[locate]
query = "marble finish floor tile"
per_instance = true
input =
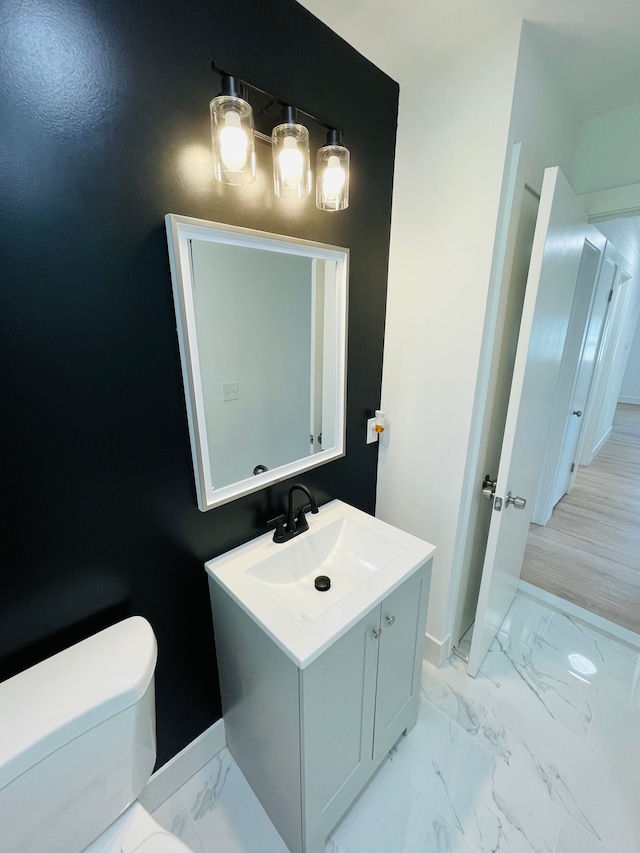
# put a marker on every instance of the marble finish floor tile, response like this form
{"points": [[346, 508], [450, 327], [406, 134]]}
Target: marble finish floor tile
{"points": [[615, 737], [571, 644], [226, 812], [574, 839], [538, 754], [390, 814], [567, 769], [483, 798], [443, 837], [464, 700], [535, 678], [174, 816]]}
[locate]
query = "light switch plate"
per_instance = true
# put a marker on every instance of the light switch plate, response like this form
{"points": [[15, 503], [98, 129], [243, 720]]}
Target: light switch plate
{"points": [[230, 391]]}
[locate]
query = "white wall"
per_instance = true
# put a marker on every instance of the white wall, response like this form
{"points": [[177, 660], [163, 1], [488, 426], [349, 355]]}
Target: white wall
{"points": [[625, 239], [455, 128], [543, 118], [607, 151], [440, 277], [452, 141]]}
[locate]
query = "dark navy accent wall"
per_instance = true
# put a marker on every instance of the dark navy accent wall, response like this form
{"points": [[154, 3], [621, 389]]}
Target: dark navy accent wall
{"points": [[104, 128]]}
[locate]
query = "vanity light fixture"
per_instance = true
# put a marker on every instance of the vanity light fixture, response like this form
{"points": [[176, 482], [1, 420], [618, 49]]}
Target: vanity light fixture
{"points": [[332, 174], [234, 159], [291, 166], [233, 137]]}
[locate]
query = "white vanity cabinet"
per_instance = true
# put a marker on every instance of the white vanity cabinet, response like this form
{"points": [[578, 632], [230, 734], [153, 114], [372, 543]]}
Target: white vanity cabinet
{"points": [[308, 739]]}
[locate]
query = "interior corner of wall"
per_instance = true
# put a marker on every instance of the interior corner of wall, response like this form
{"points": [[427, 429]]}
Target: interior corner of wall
{"points": [[436, 651]]}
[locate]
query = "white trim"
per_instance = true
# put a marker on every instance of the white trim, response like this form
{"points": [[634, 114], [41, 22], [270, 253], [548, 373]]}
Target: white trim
{"points": [[172, 775], [437, 651], [600, 444], [617, 632], [613, 203], [634, 400], [181, 231]]}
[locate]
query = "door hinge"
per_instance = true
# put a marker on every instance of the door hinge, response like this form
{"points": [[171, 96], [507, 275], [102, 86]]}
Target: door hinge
{"points": [[573, 467], [610, 295]]}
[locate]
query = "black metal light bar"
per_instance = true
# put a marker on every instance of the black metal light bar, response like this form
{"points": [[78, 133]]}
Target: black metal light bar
{"points": [[244, 83]]}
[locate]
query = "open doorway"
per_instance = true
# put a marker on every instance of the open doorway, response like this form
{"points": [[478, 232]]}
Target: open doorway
{"points": [[560, 381], [588, 551]]}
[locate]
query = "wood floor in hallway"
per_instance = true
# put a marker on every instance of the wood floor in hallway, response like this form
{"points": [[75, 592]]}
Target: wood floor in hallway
{"points": [[589, 552]]}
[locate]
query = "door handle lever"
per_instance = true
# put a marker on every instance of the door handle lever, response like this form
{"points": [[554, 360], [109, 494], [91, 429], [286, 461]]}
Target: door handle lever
{"points": [[577, 413], [518, 503]]}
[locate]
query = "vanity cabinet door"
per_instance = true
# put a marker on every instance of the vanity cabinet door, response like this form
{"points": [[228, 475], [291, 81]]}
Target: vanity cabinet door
{"points": [[401, 642], [338, 693]]}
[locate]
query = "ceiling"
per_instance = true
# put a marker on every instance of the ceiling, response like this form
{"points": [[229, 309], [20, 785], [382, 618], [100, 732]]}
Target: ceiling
{"points": [[592, 45]]}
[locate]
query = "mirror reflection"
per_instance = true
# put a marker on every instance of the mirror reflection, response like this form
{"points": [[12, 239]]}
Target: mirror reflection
{"points": [[262, 328]]}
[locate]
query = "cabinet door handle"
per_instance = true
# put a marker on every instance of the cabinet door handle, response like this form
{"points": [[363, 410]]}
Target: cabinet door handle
{"points": [[376, 634], [390, 620]]}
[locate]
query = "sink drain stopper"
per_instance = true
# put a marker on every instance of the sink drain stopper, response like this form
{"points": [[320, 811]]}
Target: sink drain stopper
{"points": [[323, 583]]}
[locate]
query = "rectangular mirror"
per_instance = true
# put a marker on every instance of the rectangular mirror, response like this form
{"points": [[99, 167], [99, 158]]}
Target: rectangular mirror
{"points": [[262, 329]]}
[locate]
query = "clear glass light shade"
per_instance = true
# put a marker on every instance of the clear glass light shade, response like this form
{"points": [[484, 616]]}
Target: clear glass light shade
{"points": [[291, 163], [332, 178], [234, 160]]}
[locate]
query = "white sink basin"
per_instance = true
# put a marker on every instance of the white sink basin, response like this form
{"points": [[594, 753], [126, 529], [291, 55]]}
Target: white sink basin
{"points": [[364, 558], [344, 550]]}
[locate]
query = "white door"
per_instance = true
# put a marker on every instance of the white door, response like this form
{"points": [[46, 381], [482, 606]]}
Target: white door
{"points": [[596, 337], [555, 261], [569, 456], [573, 388], [574, 414], [608, 373], [514, 243]]}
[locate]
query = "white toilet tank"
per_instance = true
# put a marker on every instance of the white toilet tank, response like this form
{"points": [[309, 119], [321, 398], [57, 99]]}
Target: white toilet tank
{"points": [[77, 740]]}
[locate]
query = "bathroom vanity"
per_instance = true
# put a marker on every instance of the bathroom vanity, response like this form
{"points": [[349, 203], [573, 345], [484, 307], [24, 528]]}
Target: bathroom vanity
{"points": [[317, 686]]}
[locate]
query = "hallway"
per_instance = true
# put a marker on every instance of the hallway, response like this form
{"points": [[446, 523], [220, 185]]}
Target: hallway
{"points": [[589, 552]]}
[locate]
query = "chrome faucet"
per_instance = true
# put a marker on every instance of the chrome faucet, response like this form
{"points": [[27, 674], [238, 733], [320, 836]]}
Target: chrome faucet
{"points": [[293, 524]]}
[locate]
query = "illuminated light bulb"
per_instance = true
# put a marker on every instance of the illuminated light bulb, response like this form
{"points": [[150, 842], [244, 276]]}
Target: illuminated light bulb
{"points": [[291, 162], [291, 172], [233, 142], [332, 185], [333, 179]]}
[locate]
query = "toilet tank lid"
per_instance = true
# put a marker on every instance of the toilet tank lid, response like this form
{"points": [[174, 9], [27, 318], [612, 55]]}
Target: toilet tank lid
{"points": [[53, 702]]}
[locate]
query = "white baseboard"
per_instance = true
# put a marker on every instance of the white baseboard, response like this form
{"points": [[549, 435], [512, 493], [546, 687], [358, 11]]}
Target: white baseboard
{"points": [[436, 651], [617, 632], [634, 400], [172, 775]]}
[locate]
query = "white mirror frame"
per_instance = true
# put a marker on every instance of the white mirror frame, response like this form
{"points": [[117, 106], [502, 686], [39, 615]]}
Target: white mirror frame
{"points": [[180, 231]]}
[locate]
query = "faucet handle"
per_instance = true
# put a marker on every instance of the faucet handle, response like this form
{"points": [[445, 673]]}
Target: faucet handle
{"points": [[301, 519], [278, 522]]}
